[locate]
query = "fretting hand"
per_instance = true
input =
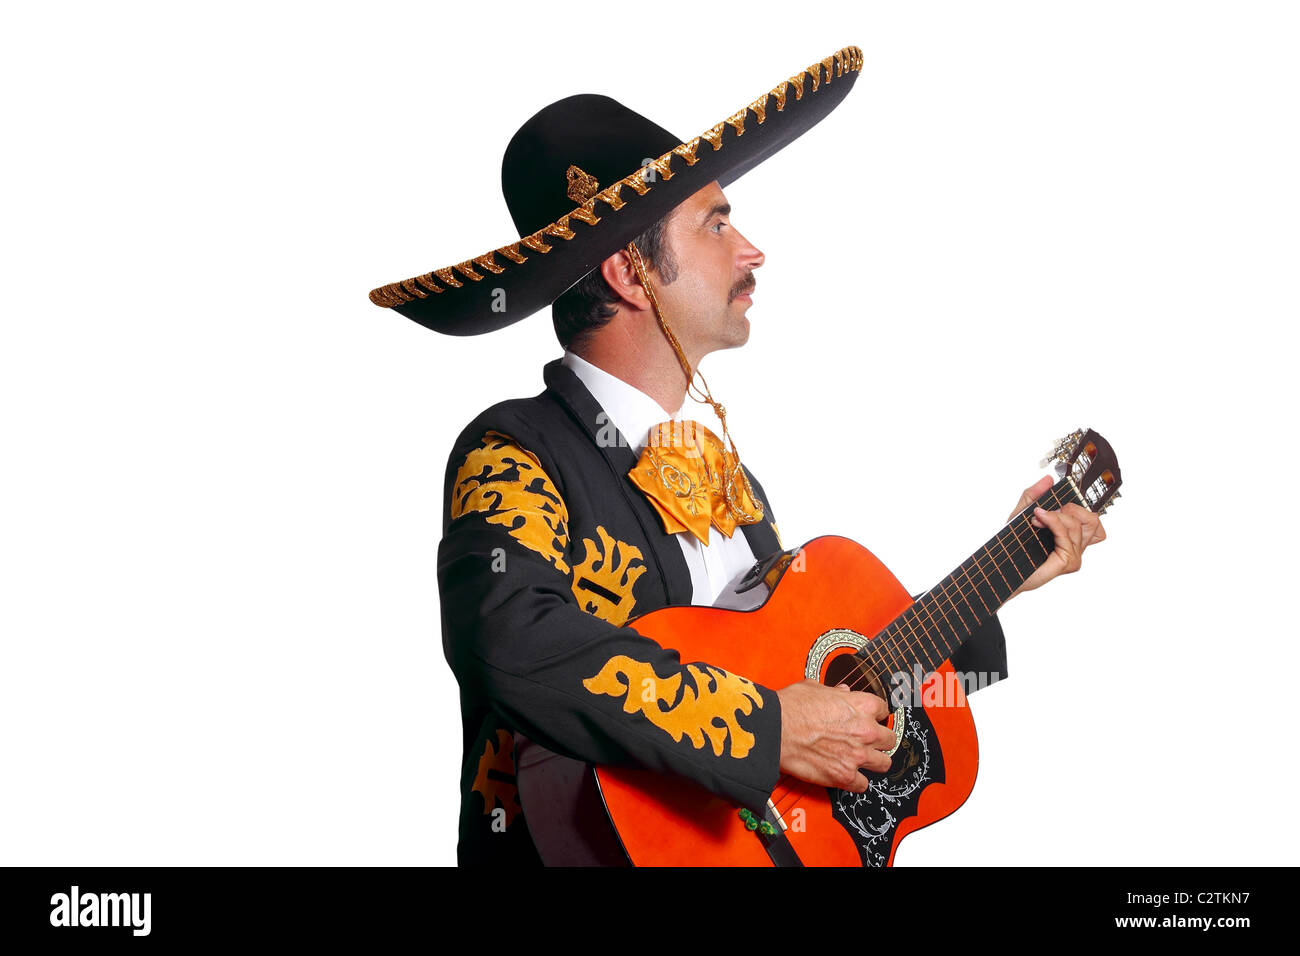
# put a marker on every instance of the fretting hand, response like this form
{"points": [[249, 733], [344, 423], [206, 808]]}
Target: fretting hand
{"points": [[1074, 527]]}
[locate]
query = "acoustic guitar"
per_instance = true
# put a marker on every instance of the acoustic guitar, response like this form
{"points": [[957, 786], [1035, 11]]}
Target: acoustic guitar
{"points": [[828, 611]]}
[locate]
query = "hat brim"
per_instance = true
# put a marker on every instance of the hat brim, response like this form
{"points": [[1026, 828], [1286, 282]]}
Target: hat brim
{"points": [[510, 283]]}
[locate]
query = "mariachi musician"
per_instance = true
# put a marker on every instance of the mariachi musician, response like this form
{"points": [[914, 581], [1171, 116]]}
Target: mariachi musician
{"points": [[570, 513]]}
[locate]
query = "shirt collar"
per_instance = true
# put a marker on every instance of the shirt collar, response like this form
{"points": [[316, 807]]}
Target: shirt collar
{"points": [[630, 410]]}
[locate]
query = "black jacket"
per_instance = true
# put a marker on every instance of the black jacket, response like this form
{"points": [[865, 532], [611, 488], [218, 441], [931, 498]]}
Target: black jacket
{"points": [[548, 549]]}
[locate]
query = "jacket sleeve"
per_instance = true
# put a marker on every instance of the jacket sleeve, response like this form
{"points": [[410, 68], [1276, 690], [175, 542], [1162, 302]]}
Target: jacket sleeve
{"points": [[984, 653], [519, 635]]}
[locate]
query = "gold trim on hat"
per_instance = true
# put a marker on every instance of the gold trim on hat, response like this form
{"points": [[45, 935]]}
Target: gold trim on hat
{"points": [[396, 293], [582, 185]]}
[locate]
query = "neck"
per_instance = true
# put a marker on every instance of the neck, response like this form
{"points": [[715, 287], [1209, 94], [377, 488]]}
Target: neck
{"points": [[642, 359]]}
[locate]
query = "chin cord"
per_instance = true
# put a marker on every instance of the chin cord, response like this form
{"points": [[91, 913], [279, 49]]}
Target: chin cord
{"points": [[732, 459]]}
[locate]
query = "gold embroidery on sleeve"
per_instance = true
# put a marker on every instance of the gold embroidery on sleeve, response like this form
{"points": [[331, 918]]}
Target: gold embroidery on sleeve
{"points": [[603, 580], [508, 485], [495, 779], [706, 709]]}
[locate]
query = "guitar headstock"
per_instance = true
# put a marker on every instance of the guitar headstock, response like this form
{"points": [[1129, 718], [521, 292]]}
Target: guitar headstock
{"points": [[1088, 461]]}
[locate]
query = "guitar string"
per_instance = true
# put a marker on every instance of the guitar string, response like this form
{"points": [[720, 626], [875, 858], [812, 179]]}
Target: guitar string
{"points": [[1050, 497]]}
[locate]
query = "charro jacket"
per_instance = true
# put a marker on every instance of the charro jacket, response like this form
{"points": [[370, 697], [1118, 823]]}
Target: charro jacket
{"points": [[548, 550]]}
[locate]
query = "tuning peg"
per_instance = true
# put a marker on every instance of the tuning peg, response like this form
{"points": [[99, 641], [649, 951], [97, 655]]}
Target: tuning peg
{"points": [[1062, 450]]}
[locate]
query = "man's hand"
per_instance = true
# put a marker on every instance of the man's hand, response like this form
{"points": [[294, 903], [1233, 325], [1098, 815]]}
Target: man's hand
{"points": [[828, 733], [1073, 526]]}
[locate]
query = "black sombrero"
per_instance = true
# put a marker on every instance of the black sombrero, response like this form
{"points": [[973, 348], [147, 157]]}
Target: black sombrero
{"points": [[624, 173]]}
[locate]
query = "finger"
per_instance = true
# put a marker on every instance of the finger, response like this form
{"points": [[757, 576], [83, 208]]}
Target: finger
{"points": [[1052, 521], [872, 706], [1063, 510], [1091, 521], [1073, 519], [860, 784], [1032, 494], [1073, 544], [844, 773], [884, 738], [1067, 533], [877, 761], [1092, 532]]}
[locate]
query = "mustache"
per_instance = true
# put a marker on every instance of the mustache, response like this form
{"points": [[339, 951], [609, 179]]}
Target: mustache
{"points": [[744, 288]]}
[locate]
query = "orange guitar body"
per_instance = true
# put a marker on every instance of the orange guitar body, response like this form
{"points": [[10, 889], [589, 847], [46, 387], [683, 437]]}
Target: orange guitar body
{"points": [[834, 587]]}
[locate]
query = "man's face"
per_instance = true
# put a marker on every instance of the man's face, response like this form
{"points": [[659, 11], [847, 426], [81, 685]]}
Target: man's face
{"points": [[705, 306]]}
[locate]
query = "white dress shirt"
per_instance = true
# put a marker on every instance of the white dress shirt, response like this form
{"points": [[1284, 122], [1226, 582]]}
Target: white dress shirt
{"points": [[633, 413]]}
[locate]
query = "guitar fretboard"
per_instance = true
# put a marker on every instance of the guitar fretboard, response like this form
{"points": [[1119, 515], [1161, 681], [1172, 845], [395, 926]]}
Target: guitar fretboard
{"points": [[916, 642]]}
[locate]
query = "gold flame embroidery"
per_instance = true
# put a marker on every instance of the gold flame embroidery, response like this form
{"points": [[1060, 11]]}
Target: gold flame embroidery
{"points": [[493, 789], [507, 484], [603, 581], [708, 708]]}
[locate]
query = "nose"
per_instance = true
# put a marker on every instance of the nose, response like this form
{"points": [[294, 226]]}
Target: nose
{"points": [[749, 256]]}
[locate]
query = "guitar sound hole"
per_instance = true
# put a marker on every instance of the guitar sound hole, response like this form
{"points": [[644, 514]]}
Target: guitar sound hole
{"points": [[847, 669]]}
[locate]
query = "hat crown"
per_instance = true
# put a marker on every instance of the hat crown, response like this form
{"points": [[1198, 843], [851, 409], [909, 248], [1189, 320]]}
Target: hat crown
{"points": [[595, 133]]}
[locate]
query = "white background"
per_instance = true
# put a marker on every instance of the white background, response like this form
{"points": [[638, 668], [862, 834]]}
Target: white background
{"points": [[223, 466]]}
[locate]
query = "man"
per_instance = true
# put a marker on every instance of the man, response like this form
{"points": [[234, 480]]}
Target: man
{"points": [[566, 516]]}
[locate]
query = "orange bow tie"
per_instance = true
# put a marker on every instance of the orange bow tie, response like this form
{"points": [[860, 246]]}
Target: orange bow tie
{"points": [[683, 470]]}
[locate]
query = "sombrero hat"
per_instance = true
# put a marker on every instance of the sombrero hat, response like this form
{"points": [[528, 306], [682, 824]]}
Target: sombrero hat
{"points": [[586, 175]]}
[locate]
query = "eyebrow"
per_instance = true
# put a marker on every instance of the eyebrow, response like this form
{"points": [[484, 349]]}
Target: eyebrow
{"points": [[721, 209]]}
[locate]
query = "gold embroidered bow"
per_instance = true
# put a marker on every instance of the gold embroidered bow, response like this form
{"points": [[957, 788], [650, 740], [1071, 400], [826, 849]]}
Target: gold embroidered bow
{"points": [[693, 481]]}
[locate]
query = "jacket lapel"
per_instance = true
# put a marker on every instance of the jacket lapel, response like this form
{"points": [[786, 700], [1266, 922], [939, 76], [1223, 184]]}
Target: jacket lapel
{"points": [[762, 539], [616, 451]]}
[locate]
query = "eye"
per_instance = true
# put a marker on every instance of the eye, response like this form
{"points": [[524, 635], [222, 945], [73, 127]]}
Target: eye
{"points": [[717, 225]]}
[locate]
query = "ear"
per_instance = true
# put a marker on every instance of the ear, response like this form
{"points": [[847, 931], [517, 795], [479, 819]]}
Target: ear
{"points": [[619, 272]]}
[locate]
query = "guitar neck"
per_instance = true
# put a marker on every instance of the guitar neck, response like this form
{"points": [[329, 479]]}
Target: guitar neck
{"points": [[916, 642]]}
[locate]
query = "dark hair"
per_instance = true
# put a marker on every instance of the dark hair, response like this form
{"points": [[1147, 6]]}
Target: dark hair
{"points": [[588, 305]]}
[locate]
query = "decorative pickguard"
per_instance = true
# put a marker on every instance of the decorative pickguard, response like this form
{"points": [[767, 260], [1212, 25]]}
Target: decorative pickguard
{"points": [[872, 817]]}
